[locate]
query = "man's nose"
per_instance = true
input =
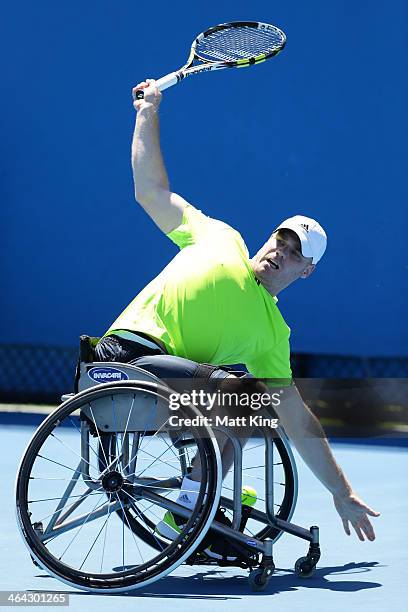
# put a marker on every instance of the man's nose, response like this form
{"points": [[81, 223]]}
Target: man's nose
{"points": [[282, 251]]}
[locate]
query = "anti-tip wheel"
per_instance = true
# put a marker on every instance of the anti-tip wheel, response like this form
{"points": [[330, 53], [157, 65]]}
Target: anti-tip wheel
{"points": [[258, 579], [304, 567]]}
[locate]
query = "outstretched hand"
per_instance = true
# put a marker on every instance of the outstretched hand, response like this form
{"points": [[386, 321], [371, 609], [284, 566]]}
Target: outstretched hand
{"points": [[353, 510]]}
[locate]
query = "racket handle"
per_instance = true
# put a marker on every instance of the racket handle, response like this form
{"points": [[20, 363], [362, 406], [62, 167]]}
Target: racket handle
{"points": [[167, 81]]}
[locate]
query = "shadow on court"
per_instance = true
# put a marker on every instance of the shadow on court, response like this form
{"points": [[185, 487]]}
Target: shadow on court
{"points": [[219, 584]]}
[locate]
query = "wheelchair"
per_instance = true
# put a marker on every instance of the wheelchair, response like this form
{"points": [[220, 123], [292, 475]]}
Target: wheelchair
{"points": [[102, 469]]}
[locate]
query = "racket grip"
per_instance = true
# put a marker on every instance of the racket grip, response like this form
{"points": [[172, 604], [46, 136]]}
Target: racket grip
{"points": [[167, 81]]}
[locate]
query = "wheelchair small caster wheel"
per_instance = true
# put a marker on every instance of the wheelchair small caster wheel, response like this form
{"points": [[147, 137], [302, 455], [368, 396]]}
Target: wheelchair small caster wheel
{"points": [[258, 578], [304, 567]]}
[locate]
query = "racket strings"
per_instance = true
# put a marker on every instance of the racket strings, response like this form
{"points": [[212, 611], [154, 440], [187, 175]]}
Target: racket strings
{"points": [[232, 44]]}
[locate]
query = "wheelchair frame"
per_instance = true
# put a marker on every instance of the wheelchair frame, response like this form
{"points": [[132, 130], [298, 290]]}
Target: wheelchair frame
{"points": [[250, 549]]}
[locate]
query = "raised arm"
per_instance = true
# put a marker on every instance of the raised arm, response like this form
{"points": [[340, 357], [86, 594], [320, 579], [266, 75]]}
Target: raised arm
{"points": [[149, 173]]}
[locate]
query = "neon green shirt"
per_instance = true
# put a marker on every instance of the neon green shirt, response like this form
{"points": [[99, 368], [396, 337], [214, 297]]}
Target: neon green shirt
{"points": [[207, 306]]}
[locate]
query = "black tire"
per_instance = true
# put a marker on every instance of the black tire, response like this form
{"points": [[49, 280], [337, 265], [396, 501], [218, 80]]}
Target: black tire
{"points": [[258, 579], [304, 567]]}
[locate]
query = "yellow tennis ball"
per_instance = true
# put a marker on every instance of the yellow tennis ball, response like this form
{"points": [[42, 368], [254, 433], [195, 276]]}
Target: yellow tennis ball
{"points": [[249, 496]]}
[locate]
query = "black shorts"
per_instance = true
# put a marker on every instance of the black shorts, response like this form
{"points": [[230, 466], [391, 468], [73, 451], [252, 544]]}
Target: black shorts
{"points": [[166, 367]]}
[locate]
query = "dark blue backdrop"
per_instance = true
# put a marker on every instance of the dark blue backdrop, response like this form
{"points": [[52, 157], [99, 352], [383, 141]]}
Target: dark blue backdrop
{"points": [[320, 130]]}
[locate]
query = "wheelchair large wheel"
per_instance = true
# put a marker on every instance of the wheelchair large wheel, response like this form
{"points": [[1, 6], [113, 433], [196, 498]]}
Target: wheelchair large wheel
{"points": [[106, 450]]}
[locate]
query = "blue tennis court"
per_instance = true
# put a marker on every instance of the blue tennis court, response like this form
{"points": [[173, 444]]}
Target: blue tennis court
{"points": [[350, 574]]}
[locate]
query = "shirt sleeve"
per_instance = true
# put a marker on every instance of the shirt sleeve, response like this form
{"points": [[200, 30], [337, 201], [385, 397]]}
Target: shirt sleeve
{"points": [[196, 227], [273, 365]]}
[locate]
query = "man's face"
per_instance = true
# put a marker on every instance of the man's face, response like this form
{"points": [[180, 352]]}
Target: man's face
{"points": [[280, 262]]}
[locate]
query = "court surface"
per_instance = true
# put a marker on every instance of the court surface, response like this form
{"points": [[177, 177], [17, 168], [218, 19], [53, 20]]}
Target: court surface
{"points": [[350, 574]]}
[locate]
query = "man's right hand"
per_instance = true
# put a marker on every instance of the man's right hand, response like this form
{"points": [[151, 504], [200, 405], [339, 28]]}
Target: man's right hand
{"points": [[152, 95], [352, 509]]}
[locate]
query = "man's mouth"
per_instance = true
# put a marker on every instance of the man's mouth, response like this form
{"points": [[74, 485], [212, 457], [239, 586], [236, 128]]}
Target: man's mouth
{"points": [[273, 263]]}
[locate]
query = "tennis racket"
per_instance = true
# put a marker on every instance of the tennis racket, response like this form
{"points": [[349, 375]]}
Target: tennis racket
{"points": [[238, 44]]}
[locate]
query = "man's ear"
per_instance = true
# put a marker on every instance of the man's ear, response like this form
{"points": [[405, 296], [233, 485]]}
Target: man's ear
{"points": [[308, 271]]}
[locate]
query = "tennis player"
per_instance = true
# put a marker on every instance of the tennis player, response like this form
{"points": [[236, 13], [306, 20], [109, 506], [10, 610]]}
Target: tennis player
{"points": [[213, 304]]}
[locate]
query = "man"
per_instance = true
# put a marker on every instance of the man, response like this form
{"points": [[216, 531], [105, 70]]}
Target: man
{"points": [[213, 304]]}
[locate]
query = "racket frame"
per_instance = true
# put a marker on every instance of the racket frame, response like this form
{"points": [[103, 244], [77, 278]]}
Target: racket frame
{"points": [[207, 65]]}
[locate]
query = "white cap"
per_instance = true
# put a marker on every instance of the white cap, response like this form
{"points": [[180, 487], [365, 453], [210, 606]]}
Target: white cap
{"points": [[312, 236]]}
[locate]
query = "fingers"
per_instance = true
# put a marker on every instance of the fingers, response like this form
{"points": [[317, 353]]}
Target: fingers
{"points": [[346, 526], [151, 95], [364, 522], [358, 532], [372, 512], [367, 528], [143, 85], [354, 511], [362, 528]]}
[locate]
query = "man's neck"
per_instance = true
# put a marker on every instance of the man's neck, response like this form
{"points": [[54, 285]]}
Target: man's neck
{"points": [[271, 290]]}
